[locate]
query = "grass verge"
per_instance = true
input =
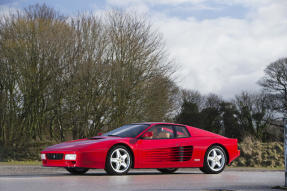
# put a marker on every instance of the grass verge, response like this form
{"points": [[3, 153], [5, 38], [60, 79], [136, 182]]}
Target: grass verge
{"points": [[21, 163]]}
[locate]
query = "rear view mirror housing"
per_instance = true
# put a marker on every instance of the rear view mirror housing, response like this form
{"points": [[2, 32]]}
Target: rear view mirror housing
{"points": [[147, 135]]}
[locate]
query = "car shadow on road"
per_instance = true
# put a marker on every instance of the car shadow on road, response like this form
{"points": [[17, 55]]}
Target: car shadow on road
{"points": [[37, 175], [137, 173]]}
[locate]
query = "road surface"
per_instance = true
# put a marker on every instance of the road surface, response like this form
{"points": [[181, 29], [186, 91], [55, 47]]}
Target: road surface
{"points": [[36, 178]]}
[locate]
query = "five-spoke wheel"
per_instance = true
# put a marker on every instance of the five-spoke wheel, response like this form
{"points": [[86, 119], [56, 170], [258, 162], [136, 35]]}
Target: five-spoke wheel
{"points": [[119, 160], [214, 160]]}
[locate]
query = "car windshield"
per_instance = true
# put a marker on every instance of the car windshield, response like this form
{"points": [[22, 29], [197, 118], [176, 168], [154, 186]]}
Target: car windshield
{"points": [[131, 130]]}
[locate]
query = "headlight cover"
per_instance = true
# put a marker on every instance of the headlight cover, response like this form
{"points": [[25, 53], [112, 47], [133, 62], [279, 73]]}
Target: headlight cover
{"points": [[70, 157], [43, 156]]}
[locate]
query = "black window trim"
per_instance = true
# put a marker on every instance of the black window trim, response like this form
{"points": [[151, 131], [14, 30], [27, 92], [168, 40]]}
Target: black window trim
{"points": [[175, 132], [169, 125]]}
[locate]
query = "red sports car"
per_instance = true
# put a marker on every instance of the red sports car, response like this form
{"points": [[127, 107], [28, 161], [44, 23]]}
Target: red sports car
{"points": [[164, 146]]}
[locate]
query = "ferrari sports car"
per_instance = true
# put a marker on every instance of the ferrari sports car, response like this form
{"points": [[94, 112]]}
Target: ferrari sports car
{"points": [[163, 146]]}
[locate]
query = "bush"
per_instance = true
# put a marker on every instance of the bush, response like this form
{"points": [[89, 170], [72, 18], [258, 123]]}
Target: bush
{"points": [[257, 154]]}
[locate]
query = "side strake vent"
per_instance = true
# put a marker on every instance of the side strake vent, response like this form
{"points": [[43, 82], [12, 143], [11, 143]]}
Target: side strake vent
{"points": [[55, 156], [172, 154]]}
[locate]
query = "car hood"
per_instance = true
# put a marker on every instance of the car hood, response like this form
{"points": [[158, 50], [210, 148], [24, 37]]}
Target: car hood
{"points": [[79, 144]]}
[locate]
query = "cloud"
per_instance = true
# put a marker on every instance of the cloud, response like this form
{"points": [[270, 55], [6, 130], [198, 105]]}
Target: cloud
{"points": [[7, 7], [224, 54], [7, 10], [4, 2], [222, 46]]}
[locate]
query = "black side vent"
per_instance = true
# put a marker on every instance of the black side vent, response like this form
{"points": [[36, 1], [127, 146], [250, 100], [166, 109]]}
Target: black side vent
{"points": [[55, 156]]}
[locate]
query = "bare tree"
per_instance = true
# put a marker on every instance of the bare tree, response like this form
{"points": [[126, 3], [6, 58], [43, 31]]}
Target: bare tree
{"points": [[253, 113], [73, 77], [193, 96], [274, 83], [213, 101]]}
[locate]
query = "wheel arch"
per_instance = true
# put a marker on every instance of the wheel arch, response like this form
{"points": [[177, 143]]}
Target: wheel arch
{"points": [[125, 145], [223, 147]]}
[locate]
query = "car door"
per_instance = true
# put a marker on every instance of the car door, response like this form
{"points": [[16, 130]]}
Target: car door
{"points": [[185, 145], [162, 150]]}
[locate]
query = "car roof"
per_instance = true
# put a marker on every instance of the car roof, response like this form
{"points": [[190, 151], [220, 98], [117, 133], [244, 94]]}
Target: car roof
{"points": [[154, 123], [193, 130]]}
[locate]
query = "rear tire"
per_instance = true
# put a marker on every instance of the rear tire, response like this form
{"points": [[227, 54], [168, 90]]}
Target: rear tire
{"points": [[76, 170], [167, 170], [214, 160]]}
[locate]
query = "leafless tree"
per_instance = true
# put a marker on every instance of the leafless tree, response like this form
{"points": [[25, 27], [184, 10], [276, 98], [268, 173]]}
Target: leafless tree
{"points": [[274, 83], [193, 96], [254, 113], [74, 77]]}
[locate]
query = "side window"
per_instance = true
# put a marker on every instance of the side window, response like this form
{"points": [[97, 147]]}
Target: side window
{"points": [[181, 132], [161, 132]]}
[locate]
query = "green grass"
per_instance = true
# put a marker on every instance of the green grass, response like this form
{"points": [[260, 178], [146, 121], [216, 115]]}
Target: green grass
{"points": [[20, 163]]}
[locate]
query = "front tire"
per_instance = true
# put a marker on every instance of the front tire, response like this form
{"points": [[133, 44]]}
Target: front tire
{"points": [[167, 170], [214, 160], [119, 160], [76, 170]]}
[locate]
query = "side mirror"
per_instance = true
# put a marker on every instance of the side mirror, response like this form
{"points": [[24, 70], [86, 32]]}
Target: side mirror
{"points": [[99, 134], [147, 135]]}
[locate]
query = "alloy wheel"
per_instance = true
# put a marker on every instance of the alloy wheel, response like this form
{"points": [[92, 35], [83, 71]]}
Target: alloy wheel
{"points": [[120, 160], [216, 159]]}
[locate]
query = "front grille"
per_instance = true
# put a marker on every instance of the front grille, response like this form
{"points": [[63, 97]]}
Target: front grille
{"points": [[55, 156]]}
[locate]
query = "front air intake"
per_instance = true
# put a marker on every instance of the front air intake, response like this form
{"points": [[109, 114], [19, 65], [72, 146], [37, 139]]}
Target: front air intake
{"points": [[55, 156]]}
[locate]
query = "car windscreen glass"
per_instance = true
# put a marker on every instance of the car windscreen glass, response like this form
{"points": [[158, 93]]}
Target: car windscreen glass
{"points": [[131, 130]]}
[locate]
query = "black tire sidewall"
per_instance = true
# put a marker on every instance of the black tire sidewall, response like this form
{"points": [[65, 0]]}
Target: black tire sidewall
{"points": [[167, 170], [206, 169], [109, 169], [77, 171]]}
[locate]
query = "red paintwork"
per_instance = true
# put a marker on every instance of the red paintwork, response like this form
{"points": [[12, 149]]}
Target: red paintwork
{"points": [[148, 153]]}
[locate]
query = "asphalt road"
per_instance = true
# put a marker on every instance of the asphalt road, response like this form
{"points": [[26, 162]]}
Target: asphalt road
{"points": [[34, 178]]}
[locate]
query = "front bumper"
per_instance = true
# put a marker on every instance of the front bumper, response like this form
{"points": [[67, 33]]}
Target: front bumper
{"points": [[53, 159], [84, 159]]}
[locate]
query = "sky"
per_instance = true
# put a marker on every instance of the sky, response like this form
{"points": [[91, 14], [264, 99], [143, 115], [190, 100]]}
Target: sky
{"points": [[219, 46]]}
